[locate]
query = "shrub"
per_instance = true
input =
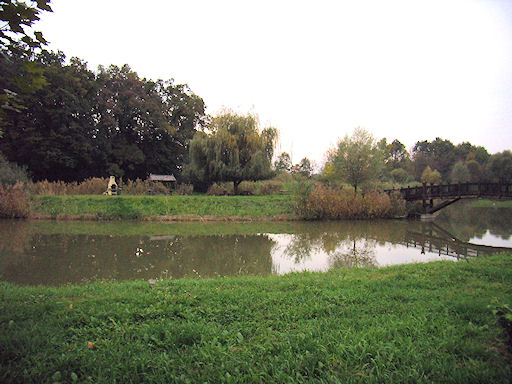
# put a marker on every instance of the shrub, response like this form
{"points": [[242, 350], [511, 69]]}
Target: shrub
{"points": [[157, 188], [46, 187], [12, 173], [13, 201], [399, 175], [322, 202], [217, 190], [183, 189], [92, 186]]}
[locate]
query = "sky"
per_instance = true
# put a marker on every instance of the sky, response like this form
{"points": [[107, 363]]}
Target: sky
{"points": [[407, 70]]}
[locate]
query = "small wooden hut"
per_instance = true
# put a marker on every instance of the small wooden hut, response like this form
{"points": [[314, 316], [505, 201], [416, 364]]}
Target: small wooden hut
{"points": [[166, 179]]}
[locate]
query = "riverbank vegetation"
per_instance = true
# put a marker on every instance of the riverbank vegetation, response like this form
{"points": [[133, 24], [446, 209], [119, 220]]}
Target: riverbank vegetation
{"points": [[277, 207], [423, 323], [328, 203]]}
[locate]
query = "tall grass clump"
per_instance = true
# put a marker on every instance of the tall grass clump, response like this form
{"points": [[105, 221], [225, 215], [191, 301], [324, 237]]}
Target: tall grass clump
{"points": [[98, 185], [255, 188], [183, 189], [328, 203], [14, 202], [92, 186]]}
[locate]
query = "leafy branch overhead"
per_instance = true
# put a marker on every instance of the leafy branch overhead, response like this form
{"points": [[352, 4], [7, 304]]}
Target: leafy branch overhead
{"points": [[16, 17]]}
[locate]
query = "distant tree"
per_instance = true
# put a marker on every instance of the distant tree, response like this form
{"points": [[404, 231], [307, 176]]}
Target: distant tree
{"points": [[438, 154], [460, 173], [475, 171], [499, 167], [430, 176], [398, 152], [328, 174], [467, 151], [357, 159], [399, 175], [394, 156], [235, 151], [304, 168], [283, 163]]}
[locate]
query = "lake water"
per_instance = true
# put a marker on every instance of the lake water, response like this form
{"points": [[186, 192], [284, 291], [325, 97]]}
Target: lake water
{"points": [[56, 253]]}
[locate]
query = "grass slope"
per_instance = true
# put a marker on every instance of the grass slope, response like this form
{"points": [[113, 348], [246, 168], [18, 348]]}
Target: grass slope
{"points": [[136, 207], [423, 323], [484, 203]]}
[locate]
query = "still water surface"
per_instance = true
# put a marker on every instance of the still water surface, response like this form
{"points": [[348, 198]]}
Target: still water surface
{"points": [[56, 253]]}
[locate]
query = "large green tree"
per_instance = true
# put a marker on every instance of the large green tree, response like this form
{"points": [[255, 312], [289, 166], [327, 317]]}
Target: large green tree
{"points": [[85, 124], [234, 150], [357, 159]]}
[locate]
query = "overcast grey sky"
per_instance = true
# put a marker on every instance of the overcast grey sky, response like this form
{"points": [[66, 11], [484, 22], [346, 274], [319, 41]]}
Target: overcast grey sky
{"points": [[411, 70]]}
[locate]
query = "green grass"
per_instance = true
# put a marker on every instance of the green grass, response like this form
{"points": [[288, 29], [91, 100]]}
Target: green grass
{"points": [[137, 207], [484, 203], [422, 323]]}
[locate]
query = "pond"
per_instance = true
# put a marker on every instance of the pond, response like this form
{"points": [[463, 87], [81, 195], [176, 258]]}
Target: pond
{"points": [[57, 253]]}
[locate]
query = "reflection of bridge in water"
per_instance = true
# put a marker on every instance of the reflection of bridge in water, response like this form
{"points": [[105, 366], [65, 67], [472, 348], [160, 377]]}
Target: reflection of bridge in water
{"points": [[433, 238]]}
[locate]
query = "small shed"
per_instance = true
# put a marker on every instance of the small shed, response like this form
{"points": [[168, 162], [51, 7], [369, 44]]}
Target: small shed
{"points": [[162, 178], [165, 179]]}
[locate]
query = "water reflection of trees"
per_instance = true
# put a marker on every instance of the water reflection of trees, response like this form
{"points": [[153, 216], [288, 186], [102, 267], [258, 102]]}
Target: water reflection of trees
{"points": [[348, 244], [467, 222], [59, 259], [360, 254]]}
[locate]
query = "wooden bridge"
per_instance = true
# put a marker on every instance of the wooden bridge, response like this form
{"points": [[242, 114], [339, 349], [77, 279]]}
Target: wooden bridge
{"points": [[451, 193]]}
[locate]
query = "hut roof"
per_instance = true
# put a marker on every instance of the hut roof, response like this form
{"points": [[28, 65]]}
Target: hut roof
{"points": [[153, 177]]}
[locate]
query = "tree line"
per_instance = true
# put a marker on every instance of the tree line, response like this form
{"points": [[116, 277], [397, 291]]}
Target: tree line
{"points": [[360, 160], [60, 120]]}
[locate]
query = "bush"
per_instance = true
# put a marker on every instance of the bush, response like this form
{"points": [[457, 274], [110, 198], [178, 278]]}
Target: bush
{"points": [[12, 173], [13, 201], [321, 202], [135, 187], [92, 186], [183, 189], [46, 187], [217, 190]]}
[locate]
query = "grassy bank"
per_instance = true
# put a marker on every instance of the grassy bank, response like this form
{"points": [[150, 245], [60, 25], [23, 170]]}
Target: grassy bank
{"points": [[484, 203], [420, 323], [138, 207]]}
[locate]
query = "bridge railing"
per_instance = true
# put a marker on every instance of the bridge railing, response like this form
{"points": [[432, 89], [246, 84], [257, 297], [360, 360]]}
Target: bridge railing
{"points": [[431, 191]]}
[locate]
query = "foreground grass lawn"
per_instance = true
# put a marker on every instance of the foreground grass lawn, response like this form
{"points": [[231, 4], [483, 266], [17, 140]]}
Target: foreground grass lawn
{"points": [[422, 323], [136, 207]]}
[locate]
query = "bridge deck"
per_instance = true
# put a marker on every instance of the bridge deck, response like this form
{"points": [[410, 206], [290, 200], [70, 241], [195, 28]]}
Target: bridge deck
{"points": [[452, 191]]}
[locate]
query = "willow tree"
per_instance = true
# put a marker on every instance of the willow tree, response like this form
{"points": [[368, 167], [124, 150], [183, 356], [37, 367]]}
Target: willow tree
{"points": [[234, 150]]}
